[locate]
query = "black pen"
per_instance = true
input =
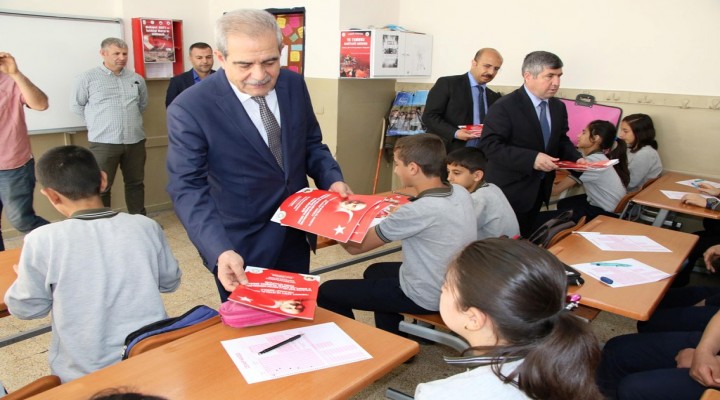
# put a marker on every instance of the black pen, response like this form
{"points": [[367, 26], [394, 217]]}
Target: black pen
{"points": [[284, 342]]}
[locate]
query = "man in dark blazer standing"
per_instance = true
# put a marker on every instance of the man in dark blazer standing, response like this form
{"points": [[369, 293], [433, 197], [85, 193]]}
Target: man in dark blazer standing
{"points": [[455, 100], [241, 143], [201, 58], [524, 134]]}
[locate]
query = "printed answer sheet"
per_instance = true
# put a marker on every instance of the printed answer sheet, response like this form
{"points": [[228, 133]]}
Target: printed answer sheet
{"points": [[624, 272], [624, 242], [320, 346]]}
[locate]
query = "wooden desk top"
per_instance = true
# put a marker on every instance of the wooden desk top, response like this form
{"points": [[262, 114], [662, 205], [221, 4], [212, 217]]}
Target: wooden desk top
{"points": [[197, 367], [652, 197], [7, 275], [636, 302]]}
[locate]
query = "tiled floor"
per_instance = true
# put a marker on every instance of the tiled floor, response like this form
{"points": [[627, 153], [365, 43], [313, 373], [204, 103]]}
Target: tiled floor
{"points": [[26, 361]]}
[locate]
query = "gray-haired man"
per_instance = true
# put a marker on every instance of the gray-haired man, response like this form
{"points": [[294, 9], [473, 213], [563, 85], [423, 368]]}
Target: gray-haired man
{"points": [[112, 99]]}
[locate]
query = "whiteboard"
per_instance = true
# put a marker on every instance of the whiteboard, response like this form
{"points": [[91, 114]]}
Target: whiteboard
{"points": [[51, 50]]}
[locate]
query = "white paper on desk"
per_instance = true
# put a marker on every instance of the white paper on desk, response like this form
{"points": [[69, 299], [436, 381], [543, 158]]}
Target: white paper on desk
{"points": [[636, 274], [624, 242], [695, 182], [671, 194], [321, 346]]}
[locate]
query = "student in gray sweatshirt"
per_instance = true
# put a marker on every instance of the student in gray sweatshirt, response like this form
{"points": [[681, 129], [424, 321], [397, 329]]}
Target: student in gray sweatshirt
{"points": [[100, 272]]}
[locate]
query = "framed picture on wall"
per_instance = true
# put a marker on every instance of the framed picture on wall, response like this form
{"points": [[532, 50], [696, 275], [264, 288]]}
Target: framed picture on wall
{"points": [[292, 25]]}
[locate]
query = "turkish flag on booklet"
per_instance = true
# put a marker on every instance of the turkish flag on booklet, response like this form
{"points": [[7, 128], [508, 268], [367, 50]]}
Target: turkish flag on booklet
{"points": [[325, 213], [284, 293]]}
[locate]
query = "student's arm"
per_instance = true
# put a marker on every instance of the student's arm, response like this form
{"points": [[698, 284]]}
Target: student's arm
{"points": [[695, 199], [34, 97], [705, 367], [563, 185], [30, 296], [372, 241], [169, 273]]}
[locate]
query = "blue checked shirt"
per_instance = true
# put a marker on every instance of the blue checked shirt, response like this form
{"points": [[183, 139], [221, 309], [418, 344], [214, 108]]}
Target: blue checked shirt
{"points": [[112, 105]]}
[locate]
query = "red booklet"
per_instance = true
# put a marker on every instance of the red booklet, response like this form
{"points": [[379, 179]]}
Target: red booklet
{"points": [[476, 130], [326, 214], [594, 166], [285, 293]]}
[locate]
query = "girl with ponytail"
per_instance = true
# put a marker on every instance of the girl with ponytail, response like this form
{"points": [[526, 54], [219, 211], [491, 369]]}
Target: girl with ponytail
{"points": [[507, 298]]}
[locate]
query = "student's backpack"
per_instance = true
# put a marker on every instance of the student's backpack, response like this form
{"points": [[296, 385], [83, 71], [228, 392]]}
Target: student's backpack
{"points": [[196, 315], [544, 234], [550, 228]]}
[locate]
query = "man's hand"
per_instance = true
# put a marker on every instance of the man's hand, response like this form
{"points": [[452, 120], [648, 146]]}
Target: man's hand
{"points": [[15, 268], [230, 270], [7, 64], [705, 369], [694, 199], [341, 188], [711, 255], [684, 358], [544, 162], [462, 134]]}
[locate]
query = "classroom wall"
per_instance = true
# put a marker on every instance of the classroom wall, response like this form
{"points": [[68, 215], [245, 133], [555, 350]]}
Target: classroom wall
{"points": [[651, 56]]}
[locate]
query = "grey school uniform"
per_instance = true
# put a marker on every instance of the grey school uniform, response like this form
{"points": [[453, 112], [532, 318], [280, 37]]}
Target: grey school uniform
{"points": [[644, 165], [495, 216], [604, 188]]}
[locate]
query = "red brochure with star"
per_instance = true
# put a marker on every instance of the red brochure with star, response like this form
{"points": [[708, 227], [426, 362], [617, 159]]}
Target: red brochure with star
{"points": [[279, 292], [326, 214]]}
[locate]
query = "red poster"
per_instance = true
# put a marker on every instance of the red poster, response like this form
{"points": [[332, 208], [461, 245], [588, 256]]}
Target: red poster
{"points": [[284, 293], [158, 40], [593, 166], [355, 54], [326, 214]]}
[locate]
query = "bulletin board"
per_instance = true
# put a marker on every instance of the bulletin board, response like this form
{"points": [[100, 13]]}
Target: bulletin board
{"points": [[580, 115], [292, 25]]}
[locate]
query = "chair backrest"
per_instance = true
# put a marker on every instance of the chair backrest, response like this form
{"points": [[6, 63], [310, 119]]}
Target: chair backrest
{"points": [[33, 388], [649, 182], [624, 202], [565, 232], [710, 394], [154, 341]]}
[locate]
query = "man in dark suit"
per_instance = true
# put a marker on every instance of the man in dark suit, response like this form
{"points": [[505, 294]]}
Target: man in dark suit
{"points": [[201, 57], [462, 100], [524, 134], [229, 163]]}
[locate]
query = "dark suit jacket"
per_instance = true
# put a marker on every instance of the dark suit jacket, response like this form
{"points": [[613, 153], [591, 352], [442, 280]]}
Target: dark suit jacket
{"points": [[178, 84], [223, 180], [450, 104], [511, 140]]}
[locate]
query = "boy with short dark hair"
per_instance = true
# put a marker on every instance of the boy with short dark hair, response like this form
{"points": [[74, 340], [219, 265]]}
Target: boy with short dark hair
{"points": [[495, 216], [437, 224], [100, 272]]}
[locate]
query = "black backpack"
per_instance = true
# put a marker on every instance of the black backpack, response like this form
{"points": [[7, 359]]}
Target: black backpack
{"points": [[552, 227]]}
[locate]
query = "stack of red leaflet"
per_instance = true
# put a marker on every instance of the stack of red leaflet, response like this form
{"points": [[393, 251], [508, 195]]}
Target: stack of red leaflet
{"points": [[593, 166], [284, 293], [326, 214]]}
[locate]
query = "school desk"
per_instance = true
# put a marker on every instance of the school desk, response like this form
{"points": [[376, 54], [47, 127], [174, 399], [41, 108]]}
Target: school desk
{"points": [[197, 367], [639, 301], [7, 276], [652, 197]]}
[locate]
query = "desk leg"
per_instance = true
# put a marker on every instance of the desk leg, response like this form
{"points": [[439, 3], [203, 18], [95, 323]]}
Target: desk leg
{"points": [[6, 341], [661, 217]]}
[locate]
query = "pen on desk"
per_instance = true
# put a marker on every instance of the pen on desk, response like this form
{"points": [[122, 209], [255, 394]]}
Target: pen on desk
{"points": [[606, 280], [610, 264], [284, 342]]}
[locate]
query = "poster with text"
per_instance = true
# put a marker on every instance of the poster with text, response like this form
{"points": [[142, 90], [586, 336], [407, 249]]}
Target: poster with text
{"points": [[158, 40], [355, 54]]}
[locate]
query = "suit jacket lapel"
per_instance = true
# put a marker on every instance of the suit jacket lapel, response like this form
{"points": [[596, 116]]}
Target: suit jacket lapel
{"points": [[528, 109], [228, 102], [282, 91], [467, 90]]}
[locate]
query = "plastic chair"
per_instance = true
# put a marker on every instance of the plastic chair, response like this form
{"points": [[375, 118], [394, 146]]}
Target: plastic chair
{"points": [[35, 387], [154, 341]]}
